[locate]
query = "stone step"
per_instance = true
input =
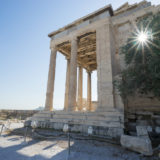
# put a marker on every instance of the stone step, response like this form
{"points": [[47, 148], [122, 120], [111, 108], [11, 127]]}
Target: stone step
{"points": [[78, 115], [80, 112], [97, 118], [80, 121], [104, 114]]}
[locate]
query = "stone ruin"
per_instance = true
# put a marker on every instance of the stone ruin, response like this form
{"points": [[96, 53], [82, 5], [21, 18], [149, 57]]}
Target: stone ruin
{"points": [[93, 43]]}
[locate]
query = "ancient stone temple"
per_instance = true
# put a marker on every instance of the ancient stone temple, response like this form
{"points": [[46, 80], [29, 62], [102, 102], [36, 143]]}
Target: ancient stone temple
{"points": [[92, 43]]}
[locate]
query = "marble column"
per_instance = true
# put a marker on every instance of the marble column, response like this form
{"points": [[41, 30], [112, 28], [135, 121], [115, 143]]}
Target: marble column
{"points": [[67, 84], [80, 88], [73, 76], [51, 79], [89, 92], [105, 51]]}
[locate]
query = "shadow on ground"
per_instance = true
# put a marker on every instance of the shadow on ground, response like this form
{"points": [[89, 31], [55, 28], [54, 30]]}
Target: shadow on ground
{"points": [[12, 147]]}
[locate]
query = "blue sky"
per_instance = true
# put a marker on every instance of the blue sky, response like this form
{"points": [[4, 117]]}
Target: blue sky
{"points": [[24, 48]]}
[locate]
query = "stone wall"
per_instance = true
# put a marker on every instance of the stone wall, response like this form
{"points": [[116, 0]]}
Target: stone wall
{"points": [[141, 110], [16, 114]]}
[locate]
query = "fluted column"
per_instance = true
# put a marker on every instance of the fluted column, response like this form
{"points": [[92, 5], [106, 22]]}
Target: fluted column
{"points": [[80, 88], [67, 84], [89, 95], [51, 79], [73, 76]]}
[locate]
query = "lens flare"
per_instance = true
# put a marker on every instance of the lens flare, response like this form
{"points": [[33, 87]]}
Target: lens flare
{"points": [[142, 37]]}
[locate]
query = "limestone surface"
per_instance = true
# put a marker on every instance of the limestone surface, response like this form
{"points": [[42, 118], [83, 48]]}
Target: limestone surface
{"points": [[138, 144]]}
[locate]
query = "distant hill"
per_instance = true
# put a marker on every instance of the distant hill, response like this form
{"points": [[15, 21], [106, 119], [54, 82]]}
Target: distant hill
{"points": [[40, 108]]}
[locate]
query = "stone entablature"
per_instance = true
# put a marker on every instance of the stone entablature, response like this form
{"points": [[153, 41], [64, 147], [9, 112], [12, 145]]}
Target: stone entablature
{"points": [[82, 22]]}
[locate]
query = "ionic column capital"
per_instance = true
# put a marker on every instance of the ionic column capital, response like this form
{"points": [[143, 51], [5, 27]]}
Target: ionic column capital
{"points": [[53, 47], [74, 38], [88, 71], [67, 58], [79, 65]]}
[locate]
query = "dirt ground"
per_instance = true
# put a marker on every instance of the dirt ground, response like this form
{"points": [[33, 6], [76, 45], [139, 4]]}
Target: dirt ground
{"points": [[12, 147]]}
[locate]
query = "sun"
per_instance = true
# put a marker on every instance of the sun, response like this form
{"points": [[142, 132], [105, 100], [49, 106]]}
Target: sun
{"points": [[142, 37]]}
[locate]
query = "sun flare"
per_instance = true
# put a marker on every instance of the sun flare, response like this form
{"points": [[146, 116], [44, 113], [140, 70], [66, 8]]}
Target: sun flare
{"points": [[142, 37]]}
